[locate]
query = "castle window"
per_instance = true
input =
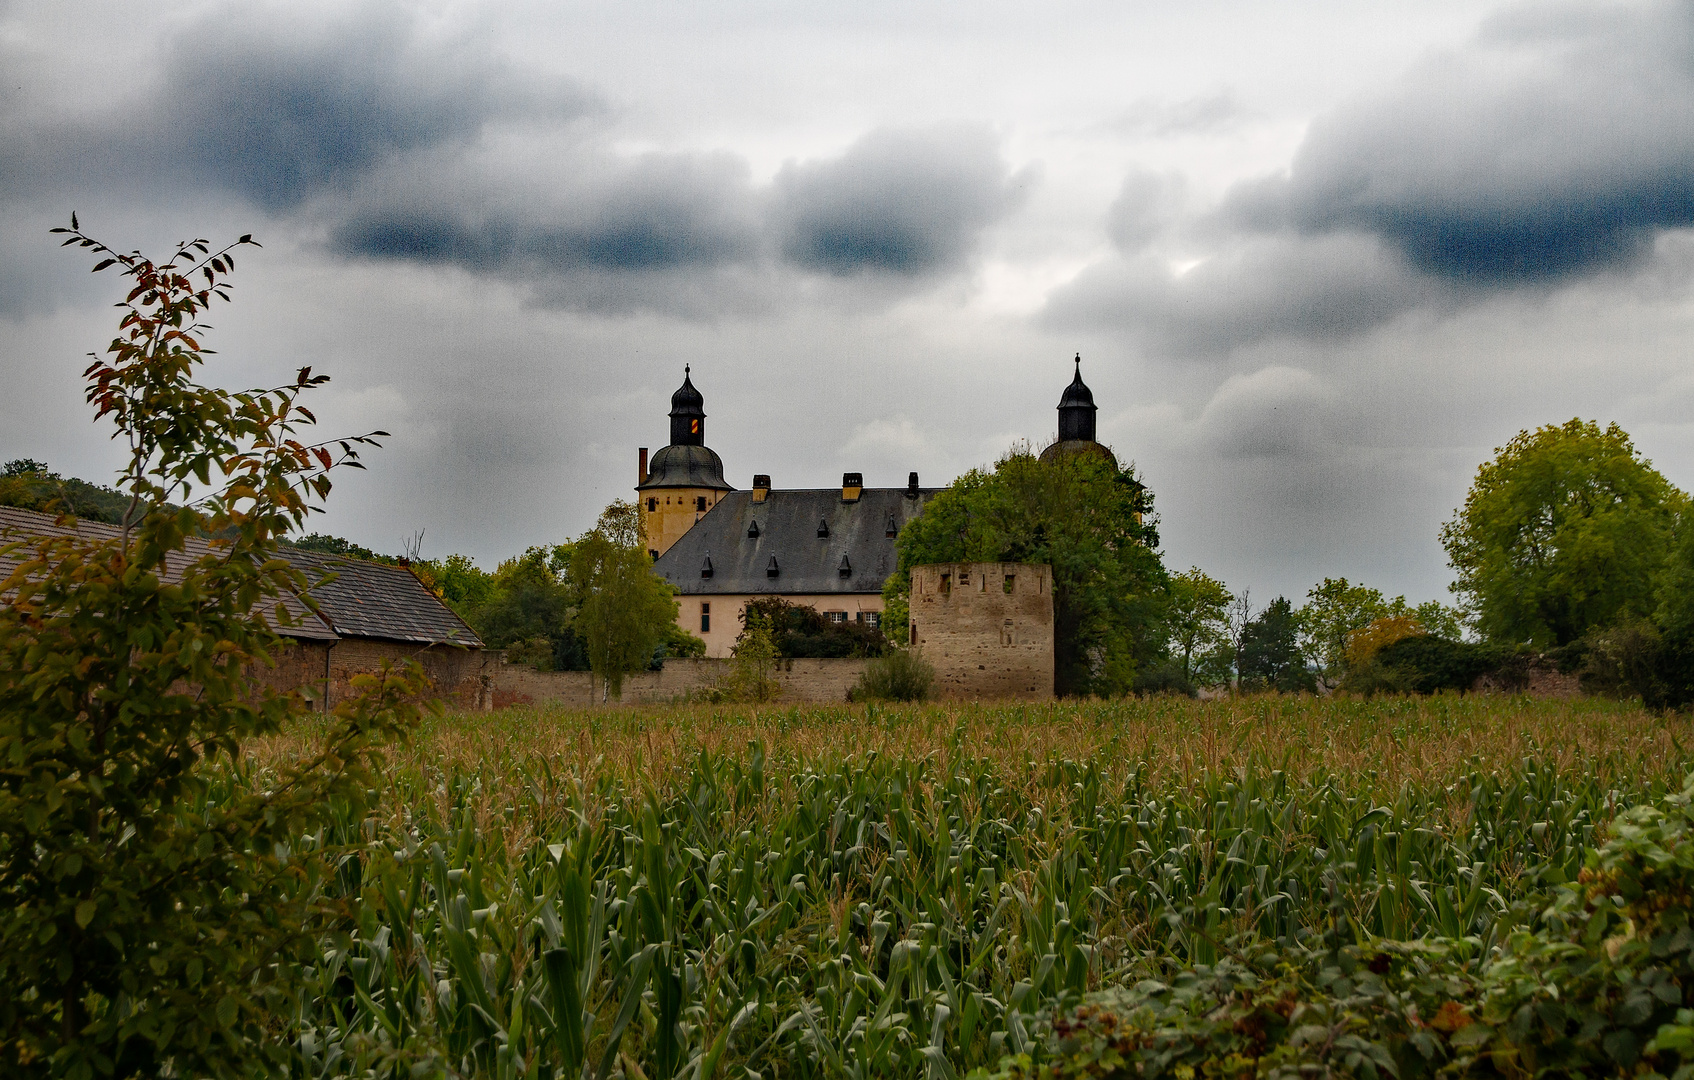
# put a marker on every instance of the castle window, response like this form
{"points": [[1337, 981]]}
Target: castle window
{"points": [[823, 528], [700, 504], [1006, 633], [946, 583], [872, 619], [652, 505], [752, 530], [846, 567], [1008, 583], [706, 567], [836, 616], [705, 618], [654, 554], [771, 570], [964, 577]]}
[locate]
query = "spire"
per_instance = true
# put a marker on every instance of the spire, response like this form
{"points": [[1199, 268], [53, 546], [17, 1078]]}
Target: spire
{"points": [[1077, 409], [688, 414]]}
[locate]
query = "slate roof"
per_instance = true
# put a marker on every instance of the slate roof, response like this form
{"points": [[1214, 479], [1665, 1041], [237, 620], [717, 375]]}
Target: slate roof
{"points": [[376, 600], [788, 532], [368, 600], [17, 524]]}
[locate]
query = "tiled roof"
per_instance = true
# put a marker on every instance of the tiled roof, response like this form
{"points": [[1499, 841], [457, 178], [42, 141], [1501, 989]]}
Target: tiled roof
{"points": [[375, 600], [16, 525], [366, 599], [788, 527]]}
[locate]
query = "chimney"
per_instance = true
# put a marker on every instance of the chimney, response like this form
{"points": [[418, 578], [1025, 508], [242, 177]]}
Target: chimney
{"points": [[761, 486], [911, 485], [642, 470], [852, 486]]}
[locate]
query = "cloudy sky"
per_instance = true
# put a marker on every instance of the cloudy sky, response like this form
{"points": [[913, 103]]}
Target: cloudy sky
{"points": [[1319, 258]]}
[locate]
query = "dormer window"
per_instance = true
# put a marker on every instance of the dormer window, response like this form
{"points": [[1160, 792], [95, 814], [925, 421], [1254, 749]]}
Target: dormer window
{"points": [[823, 528], [706, 567], [846, 567], [752, 530], [771, 570], [893, 527]]}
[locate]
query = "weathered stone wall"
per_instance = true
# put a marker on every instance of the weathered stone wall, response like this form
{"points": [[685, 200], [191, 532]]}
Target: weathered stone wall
{"points": [[986, 628], [815, 680], [457, 674]]}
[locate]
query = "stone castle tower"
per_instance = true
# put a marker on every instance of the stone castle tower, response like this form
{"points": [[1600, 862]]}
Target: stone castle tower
{"points": [[684, 479]]}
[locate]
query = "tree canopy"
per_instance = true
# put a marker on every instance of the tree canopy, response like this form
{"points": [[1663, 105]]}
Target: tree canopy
{"points": [[1093, 523], [1566, 530]]}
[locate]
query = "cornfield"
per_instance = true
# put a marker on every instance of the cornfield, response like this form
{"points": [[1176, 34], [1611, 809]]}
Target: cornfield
{"points": [[859, 892]]}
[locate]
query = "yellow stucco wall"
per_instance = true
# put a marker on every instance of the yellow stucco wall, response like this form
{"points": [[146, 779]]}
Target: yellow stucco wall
{"points": [[726, 614], [675, 510]]}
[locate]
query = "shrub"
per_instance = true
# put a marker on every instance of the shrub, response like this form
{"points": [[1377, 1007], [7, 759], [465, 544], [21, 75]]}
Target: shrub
{"points": [[1165, 678], [801, 631], [897, 675], [152, 922], [1427, 664]]}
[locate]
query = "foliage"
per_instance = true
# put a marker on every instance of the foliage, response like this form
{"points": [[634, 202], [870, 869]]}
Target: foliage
{"points": [[30, 485], [1270, 652], [1595, 983], [1567, 529], [1429, 664], [1364, 643], [889, 891], [799, 630], [752, 669], [1197, 619], [1336, 610], [1637, 658], [1165, 677], [1087, 519], [156, 910], [626, 608], [337, 545], [897, 675]]}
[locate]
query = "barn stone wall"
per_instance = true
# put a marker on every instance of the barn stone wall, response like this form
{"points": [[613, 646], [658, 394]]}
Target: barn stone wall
{"points": [[986, 628], [461, 677], [805, 680]]}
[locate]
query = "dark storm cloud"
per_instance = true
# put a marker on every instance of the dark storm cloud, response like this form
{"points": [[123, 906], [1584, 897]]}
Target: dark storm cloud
{"points": [[278, 119], [274, 116], [906, 203], [1558, 144], [656, 212]]}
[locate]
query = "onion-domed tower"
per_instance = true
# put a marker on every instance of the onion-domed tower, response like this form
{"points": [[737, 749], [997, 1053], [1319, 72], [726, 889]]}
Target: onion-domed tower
{"points": [[684, 479], [1076, 422]]}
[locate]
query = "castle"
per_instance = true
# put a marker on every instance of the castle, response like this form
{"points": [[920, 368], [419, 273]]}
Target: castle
{"points": [[832, 549]]}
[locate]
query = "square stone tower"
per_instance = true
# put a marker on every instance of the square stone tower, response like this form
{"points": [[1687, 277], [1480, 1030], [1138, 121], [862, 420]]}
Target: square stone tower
{"points": [[986, 628]]}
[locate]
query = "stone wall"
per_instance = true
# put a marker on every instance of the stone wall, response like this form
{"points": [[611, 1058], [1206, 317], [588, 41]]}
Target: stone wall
{"points": [[456, 673], [798, 680], [986, 628]]}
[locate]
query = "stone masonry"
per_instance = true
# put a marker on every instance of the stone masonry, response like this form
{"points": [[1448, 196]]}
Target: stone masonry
{"points": [[986, 628]]}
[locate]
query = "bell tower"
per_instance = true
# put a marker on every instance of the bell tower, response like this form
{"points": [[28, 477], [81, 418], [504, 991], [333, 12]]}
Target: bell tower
{"points": [[684, 479], [1076, 422]]}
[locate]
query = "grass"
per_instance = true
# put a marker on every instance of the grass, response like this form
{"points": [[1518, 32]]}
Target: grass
{"points": [[895, 891]]}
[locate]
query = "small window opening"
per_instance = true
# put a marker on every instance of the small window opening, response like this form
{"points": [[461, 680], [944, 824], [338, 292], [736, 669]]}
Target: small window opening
{"points": [[946, 583], [772, 570], [653, 552], [1009, 583], [823, 528], [706, 567], [846, 568], [700, 504], [705, 618], [893, 527], [1006, 633], [652, 505], [964, 578], [752, 530], [836, 616]]}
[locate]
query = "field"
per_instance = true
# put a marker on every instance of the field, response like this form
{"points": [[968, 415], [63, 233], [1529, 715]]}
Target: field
{"points": [[866, 891]]}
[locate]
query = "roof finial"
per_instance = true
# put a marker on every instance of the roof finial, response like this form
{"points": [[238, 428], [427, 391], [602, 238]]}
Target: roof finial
{"points": [[686, 369], [1079, 363]]}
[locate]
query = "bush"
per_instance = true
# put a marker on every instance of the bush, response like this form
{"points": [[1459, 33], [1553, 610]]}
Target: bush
{"points": [[152, 922], [1165, 678], [1427, 664], [1599, 982], [897, 675], [800, 631]]}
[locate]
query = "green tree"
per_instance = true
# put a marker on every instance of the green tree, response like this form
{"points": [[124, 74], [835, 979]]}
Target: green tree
{"points": [[625, 608], [1271, 657], [31, 485], [1197, 615], [752, 669], [1567, 529], [1087, 519], [154, 922]]}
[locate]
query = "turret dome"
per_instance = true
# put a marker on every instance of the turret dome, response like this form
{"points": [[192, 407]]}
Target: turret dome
{"points": [[688, 414]]}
